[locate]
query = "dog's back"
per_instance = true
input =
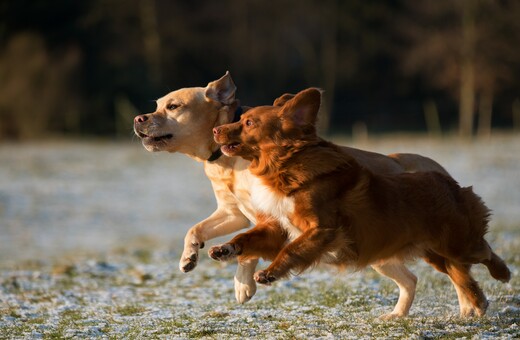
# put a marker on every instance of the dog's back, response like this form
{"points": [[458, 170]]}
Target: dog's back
{"points": [[434, 199], [408, 215]]}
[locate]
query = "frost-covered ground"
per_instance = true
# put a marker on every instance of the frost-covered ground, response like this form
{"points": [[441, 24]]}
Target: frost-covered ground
{"points": [[90, 237]]}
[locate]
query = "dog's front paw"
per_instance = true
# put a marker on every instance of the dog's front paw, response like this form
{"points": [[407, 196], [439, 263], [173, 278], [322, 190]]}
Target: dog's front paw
{"points": [[187, 264], [223, 252], [190, 257], [264, 277]]}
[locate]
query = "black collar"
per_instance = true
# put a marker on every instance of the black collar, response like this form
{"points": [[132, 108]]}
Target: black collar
{"points": [[217, 153]]}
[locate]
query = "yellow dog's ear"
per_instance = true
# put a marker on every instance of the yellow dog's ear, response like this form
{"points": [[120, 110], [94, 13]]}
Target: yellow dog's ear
{"points": [[302, 110], [222, 90]]}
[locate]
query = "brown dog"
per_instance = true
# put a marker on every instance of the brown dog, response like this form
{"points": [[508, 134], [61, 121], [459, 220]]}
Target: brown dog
{"points": [[183, 122], [316, 203]]}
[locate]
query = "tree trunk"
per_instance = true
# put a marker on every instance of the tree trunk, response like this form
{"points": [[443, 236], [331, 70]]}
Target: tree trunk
{"points": [[467, 100], [516, 114], [467, 77], [151, 39], [485, 111], [431, 115], [329, 54]]}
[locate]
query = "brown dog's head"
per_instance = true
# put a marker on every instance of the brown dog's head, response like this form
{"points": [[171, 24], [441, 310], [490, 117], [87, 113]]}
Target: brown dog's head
{"points": [[264, 127], [184, 119]]}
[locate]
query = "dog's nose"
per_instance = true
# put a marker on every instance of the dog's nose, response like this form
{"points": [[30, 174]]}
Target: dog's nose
{"points": [[140, 119], [216, 131]]}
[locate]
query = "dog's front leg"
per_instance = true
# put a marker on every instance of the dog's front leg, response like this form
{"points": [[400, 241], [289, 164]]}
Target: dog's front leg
{"points": [[264, 240], [220, 223], [298, 255]]}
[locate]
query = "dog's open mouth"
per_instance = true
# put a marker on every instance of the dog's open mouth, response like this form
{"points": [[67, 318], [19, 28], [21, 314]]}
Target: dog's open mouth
{"points": [[230, 148], [154, 138]]}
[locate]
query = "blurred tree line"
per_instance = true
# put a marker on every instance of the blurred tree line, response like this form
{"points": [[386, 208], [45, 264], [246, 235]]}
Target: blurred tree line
{"points": [[87, 67]]}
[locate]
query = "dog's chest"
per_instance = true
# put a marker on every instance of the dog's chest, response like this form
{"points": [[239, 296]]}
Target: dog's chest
{"points": [[266, 201]]}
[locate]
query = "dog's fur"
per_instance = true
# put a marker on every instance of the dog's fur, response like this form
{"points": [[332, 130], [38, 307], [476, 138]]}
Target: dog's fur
{"points": [[183, 122], [317, 203]]}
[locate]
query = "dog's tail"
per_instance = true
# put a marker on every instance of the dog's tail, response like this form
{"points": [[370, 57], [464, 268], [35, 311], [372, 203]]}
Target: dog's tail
{"points": [[479, 216], [497, 267]]}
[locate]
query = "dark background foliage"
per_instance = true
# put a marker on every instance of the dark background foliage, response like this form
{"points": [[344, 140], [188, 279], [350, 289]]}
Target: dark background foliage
{"points": [[79, 68]]}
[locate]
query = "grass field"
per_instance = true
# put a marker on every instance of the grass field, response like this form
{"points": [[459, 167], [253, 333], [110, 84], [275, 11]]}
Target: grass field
{"points": [[91, 235]]}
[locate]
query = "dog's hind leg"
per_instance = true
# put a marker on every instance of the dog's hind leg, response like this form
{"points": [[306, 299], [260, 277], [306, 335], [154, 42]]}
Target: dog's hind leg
{"points": [[439, 263], [482, 253], [436, 261], [472, 300], [405, 280]]}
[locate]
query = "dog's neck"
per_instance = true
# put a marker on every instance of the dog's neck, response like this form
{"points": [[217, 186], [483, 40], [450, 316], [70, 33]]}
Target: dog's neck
{"points": [[288, 168], [236, 117]]}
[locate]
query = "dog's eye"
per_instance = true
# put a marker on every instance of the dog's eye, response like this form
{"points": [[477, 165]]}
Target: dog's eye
{"points": [[172, 107], [249, 122]]}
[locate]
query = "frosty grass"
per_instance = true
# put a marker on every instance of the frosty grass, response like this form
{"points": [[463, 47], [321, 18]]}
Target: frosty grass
{"points": [[92, 234]]}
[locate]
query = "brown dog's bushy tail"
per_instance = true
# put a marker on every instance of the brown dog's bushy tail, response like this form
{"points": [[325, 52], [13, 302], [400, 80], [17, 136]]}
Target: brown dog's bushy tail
{"points": [[479, 216], [497, 267]]}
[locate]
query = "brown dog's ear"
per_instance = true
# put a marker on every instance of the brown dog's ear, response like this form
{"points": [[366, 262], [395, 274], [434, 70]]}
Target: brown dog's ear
{"points": [[222, 90], [303, 108], [280, 101]]}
